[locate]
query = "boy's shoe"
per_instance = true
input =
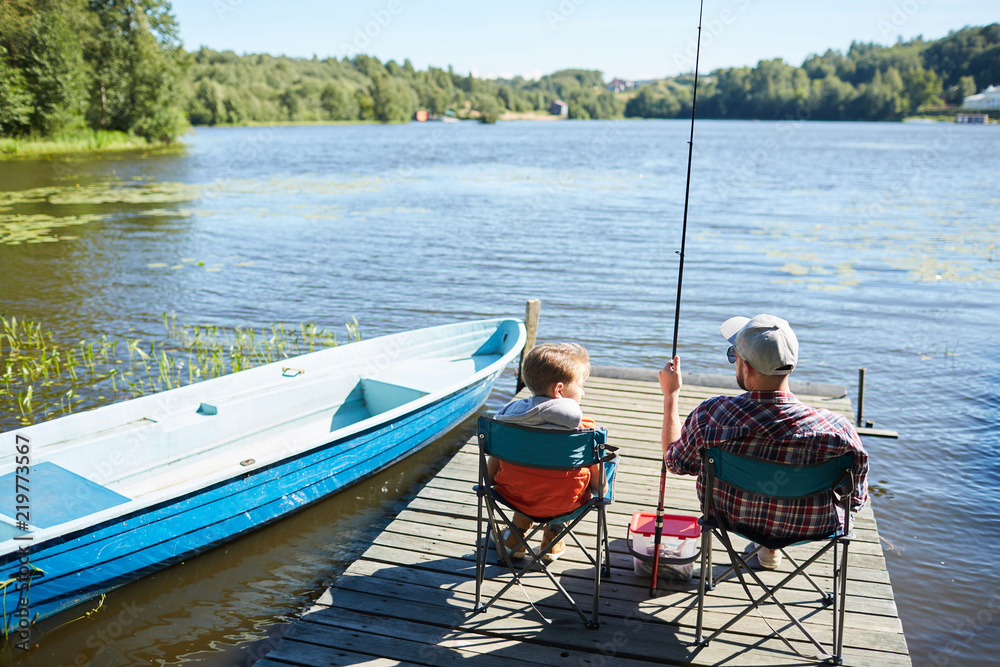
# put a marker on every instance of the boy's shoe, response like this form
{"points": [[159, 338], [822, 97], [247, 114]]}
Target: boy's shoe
{"points": [[513, 546], [558, 549], [769, 559]]}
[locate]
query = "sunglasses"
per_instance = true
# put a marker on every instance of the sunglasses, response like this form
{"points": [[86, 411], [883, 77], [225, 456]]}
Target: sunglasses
{"points": [[731, 354]]}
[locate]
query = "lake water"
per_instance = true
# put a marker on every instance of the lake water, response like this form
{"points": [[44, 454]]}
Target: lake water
{"points": [[880, 243]]}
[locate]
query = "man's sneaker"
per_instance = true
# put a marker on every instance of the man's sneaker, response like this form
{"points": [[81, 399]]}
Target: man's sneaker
{"points": [[769, 559]]}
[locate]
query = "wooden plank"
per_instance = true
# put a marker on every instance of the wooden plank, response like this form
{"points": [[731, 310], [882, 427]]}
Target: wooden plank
{"points": [[306, 654], [622, 599], [456, 534], [640, 637], [677, 609], [877, 432], [409, 598], [484, 649]]}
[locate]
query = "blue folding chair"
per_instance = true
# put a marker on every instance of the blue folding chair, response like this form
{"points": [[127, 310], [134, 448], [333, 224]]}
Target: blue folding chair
{"points": [[783, 482], [553, 450]]}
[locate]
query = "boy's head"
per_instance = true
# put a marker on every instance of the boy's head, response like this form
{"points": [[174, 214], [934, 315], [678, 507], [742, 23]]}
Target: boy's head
{"points": [[556, 370]]}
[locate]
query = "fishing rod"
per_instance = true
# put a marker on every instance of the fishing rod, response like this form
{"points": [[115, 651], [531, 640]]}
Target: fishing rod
{"points": [[658, 531]]}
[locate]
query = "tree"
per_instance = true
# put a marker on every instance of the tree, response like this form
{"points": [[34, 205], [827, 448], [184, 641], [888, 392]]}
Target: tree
{"points": [[366, 108], [15, 100], [338, 103], [436, 100], [649, 103], [289, 102], [966, 87], [137, 69], [488, 106], [207, 107], [392, 99], [880, 99], [50, 56], [973, 52], [921, 87], [956, 94], [370, 66], [830, 98]]}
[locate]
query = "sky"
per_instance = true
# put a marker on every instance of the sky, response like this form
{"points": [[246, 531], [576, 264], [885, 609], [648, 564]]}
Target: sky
{"points": [[635, 40]]}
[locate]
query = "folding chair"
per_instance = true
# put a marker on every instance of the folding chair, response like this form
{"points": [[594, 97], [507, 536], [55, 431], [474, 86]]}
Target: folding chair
{"points": [[554, 450], [782, 481]]}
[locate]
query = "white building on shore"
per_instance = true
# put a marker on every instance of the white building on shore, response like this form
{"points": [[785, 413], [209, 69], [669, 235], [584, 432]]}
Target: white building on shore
{"points": [[988, 99]]}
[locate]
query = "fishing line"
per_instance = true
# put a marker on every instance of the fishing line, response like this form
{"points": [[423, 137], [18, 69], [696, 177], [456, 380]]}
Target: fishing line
{"points": [[687, 187], [658, 533]]}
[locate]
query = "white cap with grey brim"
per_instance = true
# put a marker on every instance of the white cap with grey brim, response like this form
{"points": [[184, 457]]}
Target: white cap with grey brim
{"points": [[765, 342]]}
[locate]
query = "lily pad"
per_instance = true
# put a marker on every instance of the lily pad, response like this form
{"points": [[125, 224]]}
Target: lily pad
{"points": [[15, 229]]}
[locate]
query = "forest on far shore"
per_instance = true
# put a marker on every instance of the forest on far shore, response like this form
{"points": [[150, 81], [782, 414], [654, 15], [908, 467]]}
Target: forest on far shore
{"points": [[869, 82], [118, 65]]}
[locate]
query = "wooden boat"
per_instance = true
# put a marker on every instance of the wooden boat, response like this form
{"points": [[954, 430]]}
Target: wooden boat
{"points": [[113, 494]]}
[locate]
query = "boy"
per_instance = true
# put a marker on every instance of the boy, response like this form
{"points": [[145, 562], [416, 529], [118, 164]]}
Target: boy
{"points": [[555, 374]]}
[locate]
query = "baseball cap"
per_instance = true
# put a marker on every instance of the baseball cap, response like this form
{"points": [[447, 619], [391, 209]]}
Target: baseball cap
{"points": [[765, 342]]}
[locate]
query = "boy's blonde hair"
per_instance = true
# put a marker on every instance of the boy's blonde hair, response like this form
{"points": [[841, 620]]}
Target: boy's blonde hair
{"points": [[549, 363]]}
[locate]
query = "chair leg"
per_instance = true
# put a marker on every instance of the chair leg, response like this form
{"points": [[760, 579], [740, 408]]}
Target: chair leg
{"points": [[607, 548], [482, 548], [836, 598], [595, 621], [770, 592], [827, 597], [706, 570], [839, 648]]}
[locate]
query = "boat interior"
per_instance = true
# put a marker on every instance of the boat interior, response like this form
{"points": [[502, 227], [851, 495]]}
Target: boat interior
{"points": [[216, 428]]}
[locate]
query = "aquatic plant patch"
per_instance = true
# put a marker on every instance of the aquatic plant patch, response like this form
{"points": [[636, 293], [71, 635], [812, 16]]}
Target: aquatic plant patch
{"points": [[118, 193], [42, 377], [39, 228], [824, 256], [22, 222]]}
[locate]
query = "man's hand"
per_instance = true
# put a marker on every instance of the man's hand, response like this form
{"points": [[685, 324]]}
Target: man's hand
{"points": [[670, 378], [670, 384]]}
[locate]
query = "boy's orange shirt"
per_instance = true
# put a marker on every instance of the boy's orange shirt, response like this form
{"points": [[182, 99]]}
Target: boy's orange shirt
{"points": [[542, 493]]}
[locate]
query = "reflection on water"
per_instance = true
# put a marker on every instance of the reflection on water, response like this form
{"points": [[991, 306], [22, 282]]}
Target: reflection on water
{"points": [[877, 241]]}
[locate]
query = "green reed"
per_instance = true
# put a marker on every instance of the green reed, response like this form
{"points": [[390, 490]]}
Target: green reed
{"points": [[41, 379]]}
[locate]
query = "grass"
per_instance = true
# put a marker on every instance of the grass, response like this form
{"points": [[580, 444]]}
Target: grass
{"points": [[41, 378], [82, 141]]}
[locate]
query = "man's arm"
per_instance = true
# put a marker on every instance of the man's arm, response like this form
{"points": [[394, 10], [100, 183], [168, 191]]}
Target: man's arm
{"points": [[670, 385], [680, 447]]}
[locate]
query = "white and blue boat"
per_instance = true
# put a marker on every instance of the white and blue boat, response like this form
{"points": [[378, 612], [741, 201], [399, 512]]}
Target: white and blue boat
{"points": [[113, 494]]}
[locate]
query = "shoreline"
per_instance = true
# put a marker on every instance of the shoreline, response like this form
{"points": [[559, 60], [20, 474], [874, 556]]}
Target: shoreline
{"points": [[78, 143], [546, 117], [101, 141]]}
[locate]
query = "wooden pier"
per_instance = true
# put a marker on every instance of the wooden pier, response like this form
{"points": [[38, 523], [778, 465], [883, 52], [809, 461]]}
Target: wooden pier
{"points": [[408, 600]]}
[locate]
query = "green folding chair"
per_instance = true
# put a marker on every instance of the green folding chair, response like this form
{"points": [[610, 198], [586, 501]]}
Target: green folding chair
{"points": [[784, 482], [553, 450]]}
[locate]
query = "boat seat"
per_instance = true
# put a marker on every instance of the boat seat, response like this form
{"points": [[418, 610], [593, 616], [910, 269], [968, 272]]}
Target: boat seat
{"points": [[57, 495]]}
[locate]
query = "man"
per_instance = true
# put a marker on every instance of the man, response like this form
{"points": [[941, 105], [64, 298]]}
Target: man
{"points": [[766, 422]]}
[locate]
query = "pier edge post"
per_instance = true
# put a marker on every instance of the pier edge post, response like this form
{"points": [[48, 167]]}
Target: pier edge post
{"points": [[532, 309], [861, 396]]}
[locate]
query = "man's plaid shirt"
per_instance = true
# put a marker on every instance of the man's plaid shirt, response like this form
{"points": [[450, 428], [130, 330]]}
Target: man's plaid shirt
{"points": [[771, 425]]}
